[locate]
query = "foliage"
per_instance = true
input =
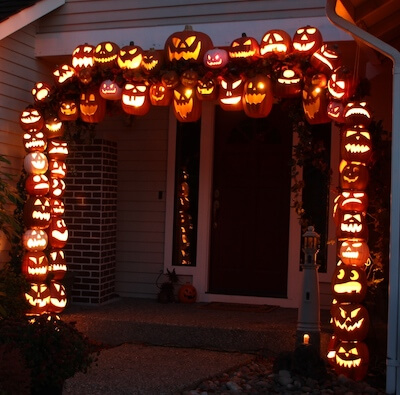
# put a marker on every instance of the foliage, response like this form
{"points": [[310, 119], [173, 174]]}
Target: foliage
{"points": [[167, 288]]}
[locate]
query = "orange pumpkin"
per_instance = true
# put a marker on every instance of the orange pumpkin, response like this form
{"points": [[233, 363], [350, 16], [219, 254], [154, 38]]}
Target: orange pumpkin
{"points": [[35, 266], [349, 284], [38, 298], [257, 96], [186, 105], [187, 293], [354, 252], [83, 57], [306, 40], [135, 98], [92, 106], [275, 42], [130, 57], [244, 48], [352, 359]]}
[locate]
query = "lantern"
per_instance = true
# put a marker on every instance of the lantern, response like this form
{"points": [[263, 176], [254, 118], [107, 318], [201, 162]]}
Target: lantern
{"points": [[315, 100], [57, 188], [341, 84], [152, 61], [68, 110], [41, 91], [170, 79], [57, 264], [35, 266], [325, 59], [37, 212], [37, 184], [57, 207], [57, 168], [352, 359], [288, 83], [105, 54], [92, 106], [186, 106], [53, 127], [356, 145], [353, 176], [187, 45], [58, 298], [38, 297], [349, 284], [160, 95], [35, 163], [63, 74], [34, 140], [335, 111], [353, 201], [57, 233], [357, 113], [275, 42], [31, 118], [354, 252], [135, 98], [110, 90], [244, 48], [230, 93], [130, 57], [207, 89], [34, 240], [352, 225], [57, 149], [257, 96], [306, 40], [187, 293], [216, 58], [189, 78], [83, 57]]}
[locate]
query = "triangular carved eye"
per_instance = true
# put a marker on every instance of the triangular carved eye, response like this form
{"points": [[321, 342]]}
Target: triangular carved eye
{"points": [[236, 84]]}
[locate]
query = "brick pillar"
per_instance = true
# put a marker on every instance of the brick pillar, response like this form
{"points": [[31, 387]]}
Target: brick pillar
{"points": [[91, 216]]}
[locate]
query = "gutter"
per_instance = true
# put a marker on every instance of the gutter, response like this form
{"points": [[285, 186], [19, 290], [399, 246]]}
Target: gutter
{"points": [[393, 341]]}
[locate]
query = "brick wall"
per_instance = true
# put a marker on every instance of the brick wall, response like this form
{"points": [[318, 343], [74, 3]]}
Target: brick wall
{"points": [[90, 214]]}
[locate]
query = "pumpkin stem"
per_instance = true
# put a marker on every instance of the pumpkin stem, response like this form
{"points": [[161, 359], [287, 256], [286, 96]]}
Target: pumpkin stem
{"points": [[188, 28], [244, 35]]}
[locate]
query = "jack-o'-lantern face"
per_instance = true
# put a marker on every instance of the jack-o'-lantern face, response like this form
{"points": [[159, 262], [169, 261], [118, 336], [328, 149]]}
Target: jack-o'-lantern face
{"points": [[37, 212], [230, 93], [356, 145], [34, 140], [187, 293], [86, 75], [53, 127], [335, 111], [341, 84], [244, 48], [105, 54], [83, 57], [353, 175], [57, 149], [92, 106], [130, 57], [160, 95], [152, 61], [351, 359], [216, 58], [35, 266], [275, 42], [34, 239], [64, 74], [57, 187], [325, 59], [36, 163], [350, 321], [207, 89], [135, 98], [349, 284], [315, 100], [257, 96], [189, 78], [110, 90], [354, 252], [31, 118], [170, 79], [186, 106], [57, 264], [57, 233], [353, 200], [288, 83], [357, 114], [38, 298], [57, 168], [57, 207], [58, 298], [41, 91], [37, 184], [68, 110], [306, 40], [352, 225]]}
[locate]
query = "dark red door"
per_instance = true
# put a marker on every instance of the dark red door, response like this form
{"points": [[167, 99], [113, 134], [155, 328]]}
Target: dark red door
{"points": [[251, 204]]}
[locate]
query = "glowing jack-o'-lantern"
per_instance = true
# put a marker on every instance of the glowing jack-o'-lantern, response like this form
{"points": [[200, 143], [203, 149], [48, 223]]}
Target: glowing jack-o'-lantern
{"points": [[288, 83], [34, 140], [34, 239], [325, 59], [130, 57], [306, 40], [53, 127], [57, 168], [353, 176], [187, 45], [57, 187], [160, 95], [230, 93], [350, 321], [352, 201], [216, 58], [275, 42], [170, 79], [31, 118], [38, 298], [352, 359], [35, 266], [83, 57], [58, 298], [36, 163], [187, 293], [57, 264], [110, 90], [68, 110], [207, 89], [135, 98], [349, 284], [37, 212], [57, 207], [57, 149], [186, 106], [335, 111], [244, 48], [92, 106], [352, 225], [315, 100], [105, 54], [152, 61], [356, 145], [354, 252], [64, 74], [57, 233], [341, 84], [41, 91], [357, 113], [189, 78], [37, 184], [257, 96]]}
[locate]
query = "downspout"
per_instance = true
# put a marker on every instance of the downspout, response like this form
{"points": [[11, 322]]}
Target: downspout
{"points": [[393, 345]]}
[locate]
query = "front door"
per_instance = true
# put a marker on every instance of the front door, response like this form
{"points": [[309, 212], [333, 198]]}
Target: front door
{"points": [[251, 204]]}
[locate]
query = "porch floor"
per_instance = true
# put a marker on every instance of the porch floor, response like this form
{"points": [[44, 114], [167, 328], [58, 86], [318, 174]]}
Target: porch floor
{"points": [[148, 337]]}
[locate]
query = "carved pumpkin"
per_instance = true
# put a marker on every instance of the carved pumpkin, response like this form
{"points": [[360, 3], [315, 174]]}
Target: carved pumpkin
{"points": [[53, 127], [64, 74], [207, 89], [152, 61], [357, 113], [57, 264], [31, 118], [41, 91], [83, 57], [34, 140], [186, 106], [349, 284], [352, 359], [244, 48], [341, 84], [325, 59], [216, 58], [86, 75], [187, 45], [105, 54], [34, 239], [92, 106], [352, 225], [57, 207], [315, 100], [57, 168], [257, 96], [68, 110], [353, 176], [288, 83], [38, 298], [306, 40], [230, 93], [58, 298], [57, 149], [57, 233], [187, 293], [37, 184], [353, 201], [189, 78], [130, 57], [356, 145], [354, 252], [35, 266], [36, 163], [57, 187], [170, 79], [110, 90], [37, 212], [335, 111], [160, 95], [135, 98], [275, 42]]}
